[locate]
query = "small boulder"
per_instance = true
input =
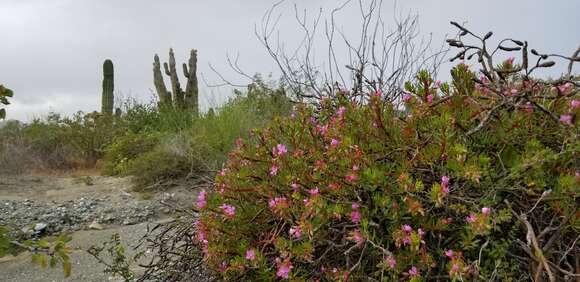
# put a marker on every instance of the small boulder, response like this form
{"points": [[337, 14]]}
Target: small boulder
{"points": [[96, 226]]}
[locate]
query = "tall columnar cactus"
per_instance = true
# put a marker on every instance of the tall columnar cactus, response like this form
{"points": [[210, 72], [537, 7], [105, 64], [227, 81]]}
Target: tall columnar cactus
{"points": [[177, 98], [191, 89], [108, 99]]}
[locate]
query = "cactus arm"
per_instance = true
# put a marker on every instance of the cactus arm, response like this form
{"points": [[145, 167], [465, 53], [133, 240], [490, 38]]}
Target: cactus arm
{"points": [[166, 67], [185, 72]]}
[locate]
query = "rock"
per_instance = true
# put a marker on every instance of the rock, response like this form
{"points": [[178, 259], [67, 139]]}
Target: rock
{"points": [[96, 226], [39, 227]]}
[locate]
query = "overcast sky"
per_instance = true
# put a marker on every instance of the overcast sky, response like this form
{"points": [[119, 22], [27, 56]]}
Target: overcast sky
{"points": [[51, 51]]}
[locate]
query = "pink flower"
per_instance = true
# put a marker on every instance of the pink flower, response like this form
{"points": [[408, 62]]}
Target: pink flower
{"points": [[486, 210], [420, 232], [445, 184], [379, 93], [274, 170], [279, 150], [407, 96], [407, 228], [391, 261], [284, 268], [229, 210], [322, 129], [223, 266], [406, 240], [351, 177], [357, 237], [574, 104], [340, 112], [278, 201], [567, 119], [510, 60], [449, 254], [471, 218], [355, 216], [413, 272], [444, 180], [313, 192], [354, 206], [429, 98], [251, 254], [437, 84], [223, 172], [334, 142], [454, 268], [201, 201], [514, 92], [564, 88], [294, 187], [295, 232]]}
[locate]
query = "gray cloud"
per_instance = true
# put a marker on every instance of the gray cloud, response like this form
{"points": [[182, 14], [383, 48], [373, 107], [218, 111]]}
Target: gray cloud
{"points": [[51, 52]]}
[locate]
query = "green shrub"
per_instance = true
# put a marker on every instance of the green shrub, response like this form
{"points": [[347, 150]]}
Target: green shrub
{"points": [[155, 166], [126, 148], [435, 191], [195, 144]]}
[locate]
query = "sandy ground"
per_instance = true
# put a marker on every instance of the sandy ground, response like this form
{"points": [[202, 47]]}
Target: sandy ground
{"points": [[56, 189], [85, 267]]}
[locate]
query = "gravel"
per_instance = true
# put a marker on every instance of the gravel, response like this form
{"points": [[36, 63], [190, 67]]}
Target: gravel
{"points": [[35, 218]]}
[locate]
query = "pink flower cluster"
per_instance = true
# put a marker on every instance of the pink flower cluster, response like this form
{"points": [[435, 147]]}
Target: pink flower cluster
{"points": [[445, 184], [407, 96], [274, 170], [357, 236], [568, 118], [483, 86], [413, 272], [251, 254], [340, 112], [564, 88], [279, 150], [228, 210], [391, 261], [278, 202], [295, 232], [201, 200], [283, 268]]}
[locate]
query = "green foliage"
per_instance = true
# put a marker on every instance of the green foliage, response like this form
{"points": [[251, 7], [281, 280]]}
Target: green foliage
{"points": [[5, 93], [115, 260], [348, 191], [163, 143], [58, 143], [44, 252]]}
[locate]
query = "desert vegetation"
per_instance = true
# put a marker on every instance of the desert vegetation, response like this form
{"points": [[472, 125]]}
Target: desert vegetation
{"points": [[375, 171]]}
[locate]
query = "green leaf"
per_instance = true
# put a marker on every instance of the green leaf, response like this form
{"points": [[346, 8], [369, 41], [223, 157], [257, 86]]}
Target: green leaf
{"points": [[66, 268]]}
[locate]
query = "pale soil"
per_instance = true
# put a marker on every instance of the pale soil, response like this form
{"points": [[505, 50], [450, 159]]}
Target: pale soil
{"points": [[59, 189]]}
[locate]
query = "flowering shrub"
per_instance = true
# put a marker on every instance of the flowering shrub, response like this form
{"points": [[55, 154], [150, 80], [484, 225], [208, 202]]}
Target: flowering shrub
{"points": [[457, 183]]}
